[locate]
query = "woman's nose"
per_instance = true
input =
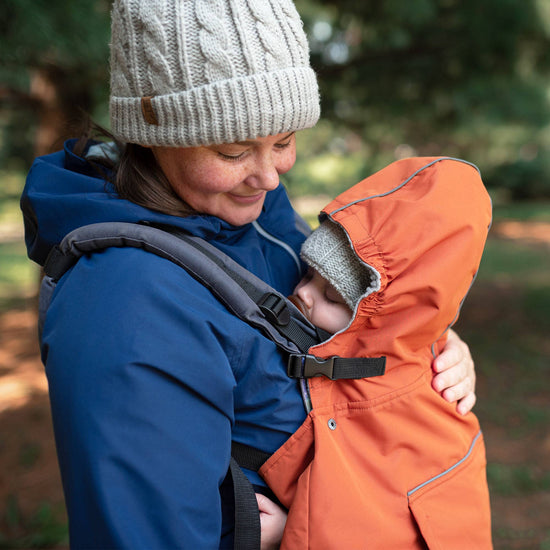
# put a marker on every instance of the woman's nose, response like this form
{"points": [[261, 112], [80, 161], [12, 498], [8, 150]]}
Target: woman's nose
{"points": [[265, 174]]}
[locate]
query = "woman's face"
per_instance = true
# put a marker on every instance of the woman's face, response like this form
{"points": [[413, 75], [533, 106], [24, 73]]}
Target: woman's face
{"points": [[229, 181]]}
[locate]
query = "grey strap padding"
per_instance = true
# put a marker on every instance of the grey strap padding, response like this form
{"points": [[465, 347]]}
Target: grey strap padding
{"points": [[213, 274]]}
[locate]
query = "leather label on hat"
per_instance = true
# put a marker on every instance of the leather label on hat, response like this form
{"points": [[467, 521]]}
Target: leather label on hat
{"points": [[148, 111]]}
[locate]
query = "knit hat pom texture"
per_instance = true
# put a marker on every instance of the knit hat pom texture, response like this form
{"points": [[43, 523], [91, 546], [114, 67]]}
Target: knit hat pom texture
{"points": [[211, 71]]}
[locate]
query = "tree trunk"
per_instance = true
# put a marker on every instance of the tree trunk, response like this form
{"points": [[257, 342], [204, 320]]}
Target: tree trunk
{"points": [[61, 104]]}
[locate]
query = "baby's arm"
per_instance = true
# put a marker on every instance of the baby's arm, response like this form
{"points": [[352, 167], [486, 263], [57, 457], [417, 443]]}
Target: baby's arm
{"points": [[455, 376], [272, 520]]}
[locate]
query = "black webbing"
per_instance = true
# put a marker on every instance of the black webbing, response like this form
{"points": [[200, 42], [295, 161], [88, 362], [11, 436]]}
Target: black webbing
{"points": [[359, 367], [248, 457], [247, 515], [296, 334], [335, 368], [57, 263]]}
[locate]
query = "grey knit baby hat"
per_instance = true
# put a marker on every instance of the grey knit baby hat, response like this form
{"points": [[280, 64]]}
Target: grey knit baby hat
{"points": [[198, 72], [329, 251]]}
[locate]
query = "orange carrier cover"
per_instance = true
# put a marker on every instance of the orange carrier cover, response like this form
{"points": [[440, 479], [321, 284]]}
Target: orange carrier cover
{"points": [[385, 462]]}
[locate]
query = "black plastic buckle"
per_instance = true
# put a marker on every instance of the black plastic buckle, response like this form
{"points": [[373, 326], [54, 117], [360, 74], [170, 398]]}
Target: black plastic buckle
{"points": [[274, 309], [309, 366]]}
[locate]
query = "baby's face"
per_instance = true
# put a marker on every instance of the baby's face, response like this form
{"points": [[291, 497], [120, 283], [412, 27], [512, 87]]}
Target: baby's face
{"points": [[322, 304]]}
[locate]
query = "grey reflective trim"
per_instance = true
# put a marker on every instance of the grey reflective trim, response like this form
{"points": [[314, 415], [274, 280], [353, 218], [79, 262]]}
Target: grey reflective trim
{"points": [[301, 225], [403, 183], [277, 241], [412, 491]]}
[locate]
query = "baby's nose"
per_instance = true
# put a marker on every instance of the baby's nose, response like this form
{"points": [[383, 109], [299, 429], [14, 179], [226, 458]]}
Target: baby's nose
{"points": [[305, 294]]}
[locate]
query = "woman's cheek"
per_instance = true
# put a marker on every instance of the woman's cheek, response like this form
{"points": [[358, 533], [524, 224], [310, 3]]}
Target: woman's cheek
{"points": [[288, 161]]}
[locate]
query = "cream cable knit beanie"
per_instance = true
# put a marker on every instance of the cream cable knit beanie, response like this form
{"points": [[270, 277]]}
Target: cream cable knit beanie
{"points": [[199, 72], [329, 251]]}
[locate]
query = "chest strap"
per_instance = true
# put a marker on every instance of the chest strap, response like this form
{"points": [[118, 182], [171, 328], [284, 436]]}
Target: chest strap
{"points": [[335, 368]]}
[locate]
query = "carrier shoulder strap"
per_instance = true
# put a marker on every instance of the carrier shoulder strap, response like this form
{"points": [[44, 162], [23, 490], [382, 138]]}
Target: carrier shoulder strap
{"points": [[245, 295]]}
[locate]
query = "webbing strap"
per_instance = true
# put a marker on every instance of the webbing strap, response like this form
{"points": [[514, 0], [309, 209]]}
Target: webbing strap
{"points": [[248, 457], [273, 306], [335, 368], [247, 515], [57, 263]]}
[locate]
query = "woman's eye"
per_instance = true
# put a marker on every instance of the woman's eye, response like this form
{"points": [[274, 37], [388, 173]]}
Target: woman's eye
{"points": [[231, 157], [283, 145]]}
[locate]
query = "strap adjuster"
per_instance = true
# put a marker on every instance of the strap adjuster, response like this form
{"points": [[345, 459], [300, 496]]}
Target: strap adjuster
{"points": [[274, 309], [335, 368], [309, 366]]}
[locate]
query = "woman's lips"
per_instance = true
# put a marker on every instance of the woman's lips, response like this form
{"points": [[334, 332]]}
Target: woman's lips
{"points": [[247, 199]]}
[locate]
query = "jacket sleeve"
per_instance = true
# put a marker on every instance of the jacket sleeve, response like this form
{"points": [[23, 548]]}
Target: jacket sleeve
{"points": [[141, 389]]}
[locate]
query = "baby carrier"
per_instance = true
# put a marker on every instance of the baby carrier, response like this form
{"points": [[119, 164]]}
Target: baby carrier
{"points": [[246, 296]]}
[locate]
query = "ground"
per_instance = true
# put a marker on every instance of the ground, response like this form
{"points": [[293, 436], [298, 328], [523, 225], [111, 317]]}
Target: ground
{"points": [[30, 488]]}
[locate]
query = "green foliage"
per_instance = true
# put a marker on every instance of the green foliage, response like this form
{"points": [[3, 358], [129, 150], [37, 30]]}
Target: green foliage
{"points": [[461, 78], [66, 43], [516, 480], [529, 211], [18, 275], [46, 528], [524, 179], [73, 35], [506, 261], [464, 78]]}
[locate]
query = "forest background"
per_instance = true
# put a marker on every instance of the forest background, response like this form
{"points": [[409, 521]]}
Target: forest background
{"points": [[460, 78]]}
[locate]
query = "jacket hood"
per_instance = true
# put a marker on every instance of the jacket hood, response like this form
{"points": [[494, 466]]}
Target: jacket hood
{"points": [[419, 225], [63, 192]]}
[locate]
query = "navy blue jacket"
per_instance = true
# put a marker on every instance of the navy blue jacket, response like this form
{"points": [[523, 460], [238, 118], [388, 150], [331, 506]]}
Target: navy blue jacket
{"points": [[150, 377]]}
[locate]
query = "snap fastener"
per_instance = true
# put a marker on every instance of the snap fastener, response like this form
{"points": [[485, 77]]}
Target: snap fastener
{"points": [[332, 424]]}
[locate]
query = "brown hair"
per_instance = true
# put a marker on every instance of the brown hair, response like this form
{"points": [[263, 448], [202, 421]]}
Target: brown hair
{"points": [[140, 179], [136, 176]]}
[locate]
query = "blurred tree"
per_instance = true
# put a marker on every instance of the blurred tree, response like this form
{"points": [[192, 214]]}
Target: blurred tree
{"points": [[54, 65], [467, 78]]}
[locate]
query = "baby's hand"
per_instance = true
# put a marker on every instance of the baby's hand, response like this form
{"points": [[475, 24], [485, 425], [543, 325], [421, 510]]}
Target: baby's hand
{"points": [[272, 521]]}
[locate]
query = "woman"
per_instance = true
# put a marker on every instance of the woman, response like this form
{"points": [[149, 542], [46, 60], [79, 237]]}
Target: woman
{"points": [[150, 377]]}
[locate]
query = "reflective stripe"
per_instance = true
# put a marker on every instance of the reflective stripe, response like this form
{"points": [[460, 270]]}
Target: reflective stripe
{"points": [[282, 244], [402, 184], [449, 469]]}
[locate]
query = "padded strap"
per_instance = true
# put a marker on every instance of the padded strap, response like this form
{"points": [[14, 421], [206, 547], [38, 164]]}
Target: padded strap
{"points": [[238, 289], [273, 306]]}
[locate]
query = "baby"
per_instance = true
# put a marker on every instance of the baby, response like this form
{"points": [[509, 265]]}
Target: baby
{"points": [[386, 459], [335, 282]]}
